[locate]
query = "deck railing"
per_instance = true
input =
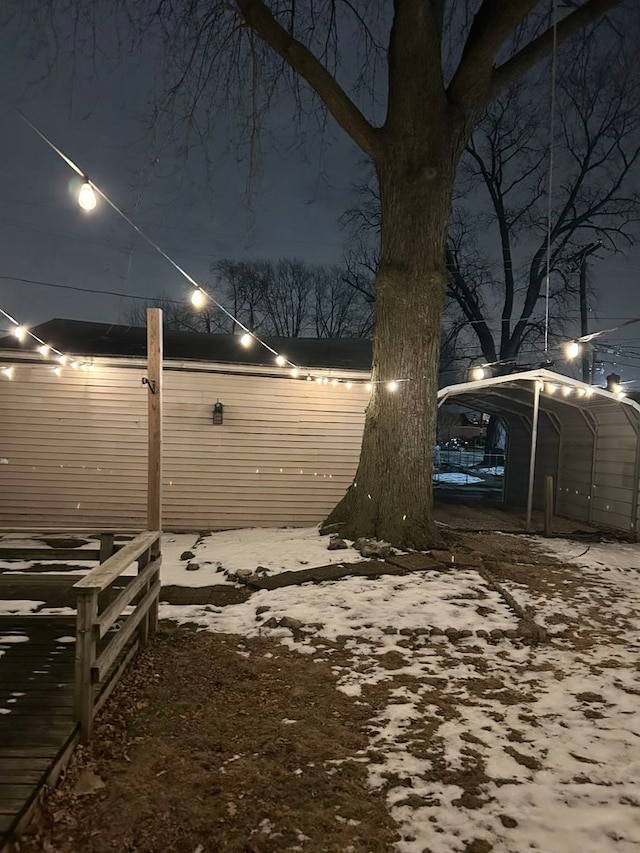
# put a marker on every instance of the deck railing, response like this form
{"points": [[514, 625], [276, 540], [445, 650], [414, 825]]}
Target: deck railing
{"points": [[102, 654]]}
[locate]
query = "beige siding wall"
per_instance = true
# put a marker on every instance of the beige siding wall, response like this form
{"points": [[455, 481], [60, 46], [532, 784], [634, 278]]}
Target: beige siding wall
{"points": [[76, 448]]}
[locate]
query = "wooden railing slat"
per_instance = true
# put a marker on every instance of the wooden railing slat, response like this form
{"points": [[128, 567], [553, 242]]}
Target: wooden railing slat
{"points": [[111, 613], [104, 574], [45, 555], [109, 656]]}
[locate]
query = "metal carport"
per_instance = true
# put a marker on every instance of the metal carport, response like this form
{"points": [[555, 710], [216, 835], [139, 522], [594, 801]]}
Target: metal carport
{"points": [[586, 438]]}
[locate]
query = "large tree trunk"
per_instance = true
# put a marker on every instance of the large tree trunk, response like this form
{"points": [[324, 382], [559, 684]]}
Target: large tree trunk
{"points": [[391, 496]]}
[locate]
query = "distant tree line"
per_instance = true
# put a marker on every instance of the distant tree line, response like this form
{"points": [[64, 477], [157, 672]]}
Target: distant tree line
{"points": [[286, 298]]}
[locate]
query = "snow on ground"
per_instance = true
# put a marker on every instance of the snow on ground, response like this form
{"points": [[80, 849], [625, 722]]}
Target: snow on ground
{"points": [[456, 477], [494, 745], [275, 549], [496, 470]]}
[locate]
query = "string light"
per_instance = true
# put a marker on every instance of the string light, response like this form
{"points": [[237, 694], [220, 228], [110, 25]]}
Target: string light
{"points": [[198, 298], [572, 349], [86, 197]]}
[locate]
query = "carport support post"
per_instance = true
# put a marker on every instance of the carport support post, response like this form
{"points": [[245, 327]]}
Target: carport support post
{"points": [[154, 418], [534, 442]]}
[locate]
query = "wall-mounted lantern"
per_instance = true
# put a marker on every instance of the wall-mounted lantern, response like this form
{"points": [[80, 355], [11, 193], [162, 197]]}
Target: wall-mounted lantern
{"points": [[218, 412]]}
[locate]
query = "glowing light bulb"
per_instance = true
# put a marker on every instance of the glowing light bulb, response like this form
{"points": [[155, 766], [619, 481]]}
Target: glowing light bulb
{"points": [[74, 365], [198, 298], [86, 197], [20, 332], [246, 340], [369, 386], [7, 371], [294, 372], [392, 386], [334, 381], [57, 371], [477, 373], [325, 381], [550, 388], [281, 360], [572, 349], [44, 349], [319, 380], [566, 391], [309, 377], [348, 385], [62, 359]]}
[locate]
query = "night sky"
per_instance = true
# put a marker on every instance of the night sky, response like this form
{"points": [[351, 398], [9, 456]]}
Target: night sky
{"points": [[196, 213], [96, 112]]}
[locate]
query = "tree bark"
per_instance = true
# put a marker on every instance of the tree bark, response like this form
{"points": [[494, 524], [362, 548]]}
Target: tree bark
{"points": [[391, 495]]}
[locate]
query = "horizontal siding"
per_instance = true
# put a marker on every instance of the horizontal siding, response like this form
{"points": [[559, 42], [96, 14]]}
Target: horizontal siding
{"points": [[76, 449]]}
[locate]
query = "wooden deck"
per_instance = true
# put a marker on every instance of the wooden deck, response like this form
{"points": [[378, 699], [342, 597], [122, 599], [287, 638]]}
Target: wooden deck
{"points": [[50, 685], [37, 729]]}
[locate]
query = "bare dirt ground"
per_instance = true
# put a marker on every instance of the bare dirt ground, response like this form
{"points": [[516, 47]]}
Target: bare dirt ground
{"points": [[216, 742], [203, 749]]}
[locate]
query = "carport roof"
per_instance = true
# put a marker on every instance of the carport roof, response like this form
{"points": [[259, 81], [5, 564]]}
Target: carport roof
{"points": [[513, 394]]}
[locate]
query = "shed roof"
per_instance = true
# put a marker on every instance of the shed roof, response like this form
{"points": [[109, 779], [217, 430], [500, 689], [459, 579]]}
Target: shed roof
{"points": [[513, 394], [83, 338]]}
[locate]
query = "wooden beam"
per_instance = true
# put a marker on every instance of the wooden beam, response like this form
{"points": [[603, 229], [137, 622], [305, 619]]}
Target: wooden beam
{"points": [[154, 418]]}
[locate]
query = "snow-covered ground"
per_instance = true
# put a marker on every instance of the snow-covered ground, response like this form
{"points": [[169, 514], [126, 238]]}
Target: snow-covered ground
{"points": [[484, 743], [488, 741]]}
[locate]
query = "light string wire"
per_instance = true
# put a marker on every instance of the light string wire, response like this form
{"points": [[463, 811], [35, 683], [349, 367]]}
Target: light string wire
{"points": [[23, 331], [552, 130], [146, 238]]}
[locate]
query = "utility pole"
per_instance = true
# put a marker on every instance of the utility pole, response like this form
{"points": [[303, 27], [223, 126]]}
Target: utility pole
{"points": [[581, 258]]}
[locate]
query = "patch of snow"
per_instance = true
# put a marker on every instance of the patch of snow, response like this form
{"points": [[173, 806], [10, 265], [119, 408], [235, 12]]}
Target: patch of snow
{"points": [[457, 478], [495, 470], [276, 550], [19, 607]]}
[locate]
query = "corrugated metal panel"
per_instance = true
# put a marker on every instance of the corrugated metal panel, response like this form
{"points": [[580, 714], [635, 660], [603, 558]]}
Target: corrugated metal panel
{"points": [[76, 449], [573, 496]]}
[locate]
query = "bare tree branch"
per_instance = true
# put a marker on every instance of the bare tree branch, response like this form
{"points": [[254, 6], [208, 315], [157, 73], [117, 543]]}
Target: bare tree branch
{"points": [[301, 59]]}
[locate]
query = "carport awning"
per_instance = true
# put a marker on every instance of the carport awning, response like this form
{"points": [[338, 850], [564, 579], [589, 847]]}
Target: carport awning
{"points": [[524, 395], [516, 391]]}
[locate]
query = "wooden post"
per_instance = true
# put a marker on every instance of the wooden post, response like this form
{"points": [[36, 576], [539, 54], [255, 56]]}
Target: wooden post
{"points": [[154, 418], [532, 456], [143, 561], [548, 506], [154, 427], [84, 661], [106, 546]]}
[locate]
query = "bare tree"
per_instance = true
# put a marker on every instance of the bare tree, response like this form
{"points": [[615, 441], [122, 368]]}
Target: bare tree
{"points": [[443, 63], [504, 172], [340, 311], [287, 298], [176, 315]]}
